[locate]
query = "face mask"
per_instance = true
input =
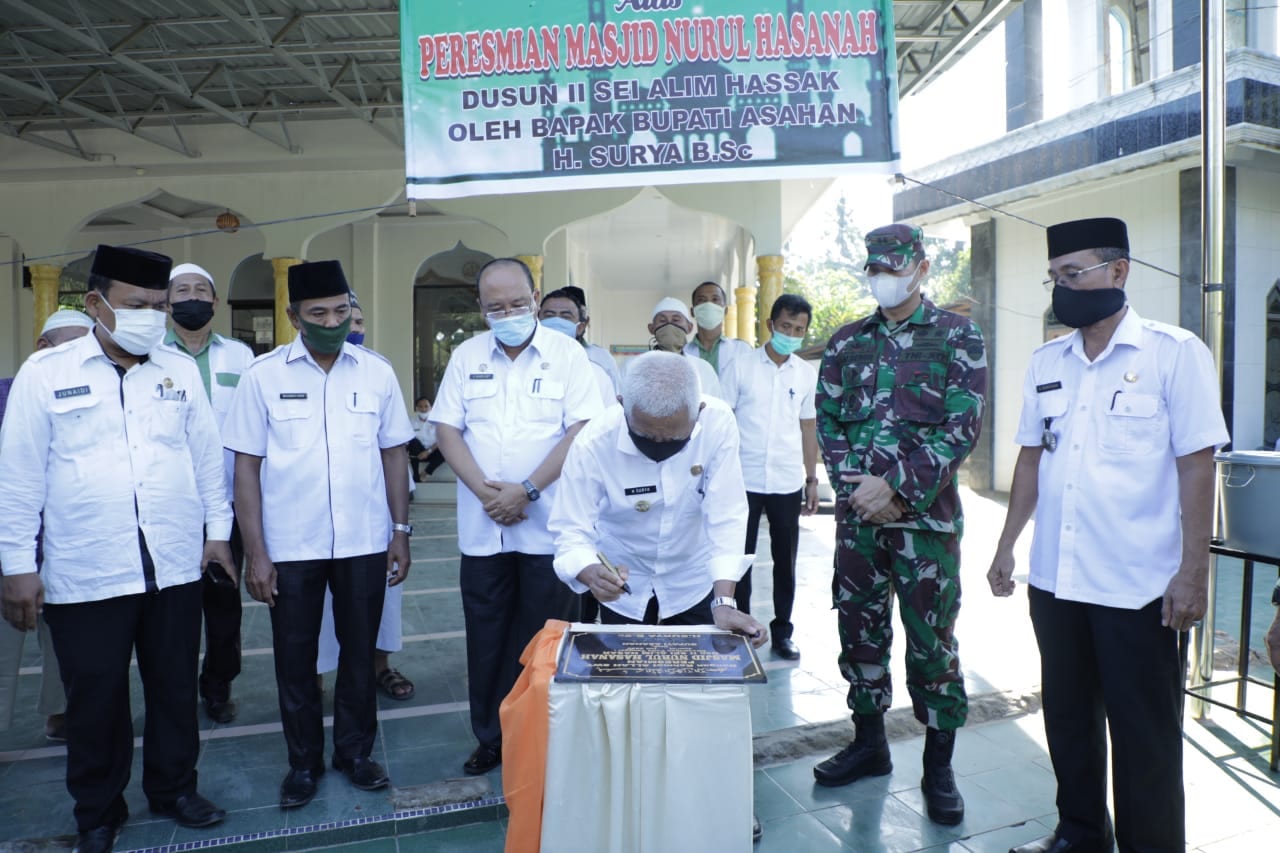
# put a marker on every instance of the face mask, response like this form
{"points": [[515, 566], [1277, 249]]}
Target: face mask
{"points": [[1080, 308], [356, 338], [785, 344], [708, 314], [890, 290], [658, 451], [326, 339], [561, 325], [191, 314], [671, 337], [513, 331], [422, 416], [138, 330]]}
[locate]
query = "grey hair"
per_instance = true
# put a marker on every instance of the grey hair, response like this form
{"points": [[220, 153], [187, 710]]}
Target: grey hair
{"points": [[660, 384]]}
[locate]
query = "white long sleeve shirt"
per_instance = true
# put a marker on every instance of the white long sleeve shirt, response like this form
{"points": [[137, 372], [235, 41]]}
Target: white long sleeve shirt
{"points": [[677, 525], [101, 457]]}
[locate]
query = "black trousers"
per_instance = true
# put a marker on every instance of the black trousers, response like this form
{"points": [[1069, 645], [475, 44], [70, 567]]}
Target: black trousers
{"points": [[359, 585], [222, 607], [506, 599], [783, 512], [698, 614], [1104, 667], [94, 641], [433, 461]]}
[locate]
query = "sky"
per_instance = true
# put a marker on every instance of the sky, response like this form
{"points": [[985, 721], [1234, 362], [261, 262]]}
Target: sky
{"points": [[960, 109]]}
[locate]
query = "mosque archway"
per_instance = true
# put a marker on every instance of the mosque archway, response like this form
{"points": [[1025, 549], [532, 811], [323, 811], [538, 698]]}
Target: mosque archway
{"points": [[445, 312]]}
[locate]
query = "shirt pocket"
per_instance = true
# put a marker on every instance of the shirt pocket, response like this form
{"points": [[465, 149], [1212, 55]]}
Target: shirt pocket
{"points": [[546, 401], [74, 422], [480, 397], [292, 423], [1135, 424], [169, 421], [919, 393], [858, 391], [362, 418]]}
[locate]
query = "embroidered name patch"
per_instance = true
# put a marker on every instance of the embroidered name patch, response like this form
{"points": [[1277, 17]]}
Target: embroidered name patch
{"points": [[293, 395], [641, 490], [480, 376], [64, 393], [1048, 386]]}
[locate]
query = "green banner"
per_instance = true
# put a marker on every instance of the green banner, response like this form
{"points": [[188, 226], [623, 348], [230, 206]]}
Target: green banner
{"points": [[503, 96]]}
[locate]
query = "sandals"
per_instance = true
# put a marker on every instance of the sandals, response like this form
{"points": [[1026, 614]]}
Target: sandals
{"points": [[395, 685]]}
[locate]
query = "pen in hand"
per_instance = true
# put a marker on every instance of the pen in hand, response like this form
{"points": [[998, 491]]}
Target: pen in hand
{"points": [[604, 561]]}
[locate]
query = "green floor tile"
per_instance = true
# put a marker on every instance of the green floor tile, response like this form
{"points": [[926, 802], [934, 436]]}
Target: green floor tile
{"points": [[883, 823], [770, 800], [473, 838], [796, 833]]}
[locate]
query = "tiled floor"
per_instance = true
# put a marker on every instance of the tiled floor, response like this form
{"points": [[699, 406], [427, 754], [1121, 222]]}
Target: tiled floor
{"points": [[1233, 800]]}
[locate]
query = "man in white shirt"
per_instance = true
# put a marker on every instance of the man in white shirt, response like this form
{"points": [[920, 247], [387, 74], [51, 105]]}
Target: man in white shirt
{"points": [[597, 355], [318, 427], [670, 328], [193, 301], [422, 449], [1119, 424], [709, 342], [510, 404], [771, 392], [561, 312], [111, 438], [65, 324]]}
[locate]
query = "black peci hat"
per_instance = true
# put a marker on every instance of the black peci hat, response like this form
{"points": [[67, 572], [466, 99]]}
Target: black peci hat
{"points": [[132, 266], [1080, 235], [317, 280]]}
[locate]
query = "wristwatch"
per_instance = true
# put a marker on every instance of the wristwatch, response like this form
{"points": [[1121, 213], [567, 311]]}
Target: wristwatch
{"points": [[1275, 593], [724, 601], [810, 481], [531, 491], [406, 529]]}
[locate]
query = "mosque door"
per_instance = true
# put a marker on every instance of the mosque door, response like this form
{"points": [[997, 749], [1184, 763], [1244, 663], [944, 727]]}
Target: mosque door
{"points": [[443, 317]]}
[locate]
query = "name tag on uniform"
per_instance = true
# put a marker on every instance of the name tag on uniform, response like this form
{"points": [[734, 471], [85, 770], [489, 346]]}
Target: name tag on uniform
{"points": [[78, 391], [293, 395], [480, 376], [1048, 386], [641, 490]]}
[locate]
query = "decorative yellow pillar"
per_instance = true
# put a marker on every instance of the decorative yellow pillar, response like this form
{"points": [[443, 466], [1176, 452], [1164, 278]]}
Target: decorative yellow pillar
{"points": [[769, 273], [730, 329], [534, 263], [44, 286], [285, 332], [746, 313]]}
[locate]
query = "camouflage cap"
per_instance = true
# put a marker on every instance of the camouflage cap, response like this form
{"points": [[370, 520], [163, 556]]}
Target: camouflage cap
{"points": [[895, 246]]}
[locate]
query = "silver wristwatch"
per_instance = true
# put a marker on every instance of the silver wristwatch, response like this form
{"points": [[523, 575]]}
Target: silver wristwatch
{"points": [[406, 529], [724, 601]]}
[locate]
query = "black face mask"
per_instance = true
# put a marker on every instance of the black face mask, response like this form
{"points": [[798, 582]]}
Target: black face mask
{"points": [[1080, 308], [658, 451], [192, 314]]}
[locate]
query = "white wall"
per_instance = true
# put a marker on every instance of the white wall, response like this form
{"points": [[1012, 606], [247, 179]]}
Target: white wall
{"points": [[1257, 269]]}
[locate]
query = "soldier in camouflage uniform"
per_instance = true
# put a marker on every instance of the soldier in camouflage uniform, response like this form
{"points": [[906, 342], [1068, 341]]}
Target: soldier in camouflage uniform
{"points": [[899, 406]]}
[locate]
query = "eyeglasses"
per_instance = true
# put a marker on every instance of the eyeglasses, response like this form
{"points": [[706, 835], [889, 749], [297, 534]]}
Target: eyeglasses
{"points": [[1068, 279], [517, 311]]}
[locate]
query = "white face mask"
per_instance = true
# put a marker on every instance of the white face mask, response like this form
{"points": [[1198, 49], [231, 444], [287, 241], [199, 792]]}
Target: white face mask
{"points": [[708, 314], [422, 416], [890, 290], [138, 330]]}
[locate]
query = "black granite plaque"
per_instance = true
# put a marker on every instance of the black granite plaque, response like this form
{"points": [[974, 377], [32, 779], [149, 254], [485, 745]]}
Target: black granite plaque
{"points": [[659, 658]]}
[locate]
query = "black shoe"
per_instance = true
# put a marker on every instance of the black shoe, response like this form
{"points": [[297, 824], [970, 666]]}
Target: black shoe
{"points": [[757, 831], [220, 712], [101, 839], [942, 799], [484, 759], [190, 810], [365, 773], [786, 649], [299, 787], [1056, 844], [55, 728], [867, 755]]}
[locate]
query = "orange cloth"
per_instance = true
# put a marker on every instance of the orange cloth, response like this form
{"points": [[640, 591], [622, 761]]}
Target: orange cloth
{"points": [[525, 722]]}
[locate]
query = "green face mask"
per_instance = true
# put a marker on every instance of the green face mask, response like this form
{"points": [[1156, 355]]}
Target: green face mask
{"points": [[325, 339]]}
